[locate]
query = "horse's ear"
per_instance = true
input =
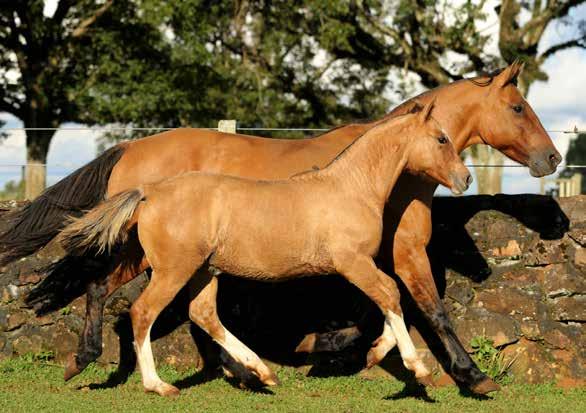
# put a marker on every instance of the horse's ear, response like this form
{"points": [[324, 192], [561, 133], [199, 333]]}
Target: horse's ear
{"points": [[425, 113], [510, 74]]}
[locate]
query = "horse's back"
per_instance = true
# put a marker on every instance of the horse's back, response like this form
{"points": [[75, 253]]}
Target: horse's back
{"points": [[170, 153]]}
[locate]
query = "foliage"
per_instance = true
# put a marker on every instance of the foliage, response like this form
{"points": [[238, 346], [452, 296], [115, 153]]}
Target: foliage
{"points": [[491, 360], [65, 311], [265, 63], [39, 357], [12, 190]]}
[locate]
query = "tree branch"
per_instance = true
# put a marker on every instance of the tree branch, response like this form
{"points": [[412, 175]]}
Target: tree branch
{"points": [[83, 26], [62, 10], [553, 10], [579, 42]]}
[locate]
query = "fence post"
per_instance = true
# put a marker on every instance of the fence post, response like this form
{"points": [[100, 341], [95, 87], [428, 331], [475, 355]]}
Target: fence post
{"points": [[227, 126], [577, 178]]}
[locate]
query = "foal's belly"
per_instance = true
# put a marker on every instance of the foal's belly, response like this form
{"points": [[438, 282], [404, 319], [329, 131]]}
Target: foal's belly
{"points": [[275, 264]]}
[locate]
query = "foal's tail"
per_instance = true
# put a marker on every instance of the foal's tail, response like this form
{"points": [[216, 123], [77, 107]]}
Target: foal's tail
{"points": [[34, 225], [102, 227]]}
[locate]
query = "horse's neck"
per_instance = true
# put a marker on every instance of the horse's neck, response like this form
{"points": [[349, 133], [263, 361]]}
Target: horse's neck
{"points": [[372, 164], [456, 114]]}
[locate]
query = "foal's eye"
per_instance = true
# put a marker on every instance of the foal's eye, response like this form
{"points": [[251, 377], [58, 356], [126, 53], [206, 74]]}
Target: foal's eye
{"points": [[518, 108], [443, 140]]}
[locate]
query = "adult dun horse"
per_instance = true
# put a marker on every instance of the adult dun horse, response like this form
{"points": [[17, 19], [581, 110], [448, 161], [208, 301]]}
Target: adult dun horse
{"points": [[486, 109], [318, 222]]}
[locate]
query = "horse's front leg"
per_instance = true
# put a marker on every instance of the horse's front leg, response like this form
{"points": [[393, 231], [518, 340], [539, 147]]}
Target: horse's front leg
{"points": [[379, 287], [413, 268]]}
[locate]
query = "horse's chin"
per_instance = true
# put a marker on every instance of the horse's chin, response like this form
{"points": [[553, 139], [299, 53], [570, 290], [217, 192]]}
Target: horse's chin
{"points": [[544, 163], [456, 191], [540, 171]]}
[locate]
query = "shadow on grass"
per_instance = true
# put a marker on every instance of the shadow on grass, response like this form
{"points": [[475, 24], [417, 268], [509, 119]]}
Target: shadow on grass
{"points": [[466, 392], [127, 356], [412, 390]]}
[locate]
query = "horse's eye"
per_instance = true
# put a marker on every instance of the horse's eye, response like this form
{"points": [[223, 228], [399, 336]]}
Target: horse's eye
{"points": [[443, 140], [518, 108]]}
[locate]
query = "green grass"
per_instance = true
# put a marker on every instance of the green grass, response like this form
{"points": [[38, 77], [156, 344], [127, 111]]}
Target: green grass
{"points": [[31, 386]]}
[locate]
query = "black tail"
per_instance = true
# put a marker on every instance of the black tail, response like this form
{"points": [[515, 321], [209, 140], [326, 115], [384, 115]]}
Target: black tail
{"points": [[66, 280], [33, 226]]}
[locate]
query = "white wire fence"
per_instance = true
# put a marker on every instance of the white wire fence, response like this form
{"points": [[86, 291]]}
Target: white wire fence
{"points": [[58, 170]]}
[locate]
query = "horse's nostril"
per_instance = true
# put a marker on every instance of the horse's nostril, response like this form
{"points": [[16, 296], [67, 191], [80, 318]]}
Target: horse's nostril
{"points": [[554, 158], [469, 180]]}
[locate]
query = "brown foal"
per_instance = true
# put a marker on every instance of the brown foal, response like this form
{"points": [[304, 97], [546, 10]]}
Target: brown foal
{"points": [[318, 222]]}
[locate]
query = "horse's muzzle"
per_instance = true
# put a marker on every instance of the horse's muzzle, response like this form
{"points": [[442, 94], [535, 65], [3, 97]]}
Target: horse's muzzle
{"points": [[544, 163]]}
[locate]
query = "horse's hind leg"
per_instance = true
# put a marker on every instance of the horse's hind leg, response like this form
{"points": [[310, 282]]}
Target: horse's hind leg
{"points": [[164, 285], [379, 287], [109, 278], [203, 312]]}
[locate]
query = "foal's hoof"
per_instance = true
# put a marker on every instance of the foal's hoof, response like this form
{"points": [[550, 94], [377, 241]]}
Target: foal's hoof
{"points": [[271, 380], [71, 369], [426, 381], [165, 390], [485, 386]]}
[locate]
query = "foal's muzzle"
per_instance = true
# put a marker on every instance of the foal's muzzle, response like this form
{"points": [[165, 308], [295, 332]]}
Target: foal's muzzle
{"points": [[460, 182]]}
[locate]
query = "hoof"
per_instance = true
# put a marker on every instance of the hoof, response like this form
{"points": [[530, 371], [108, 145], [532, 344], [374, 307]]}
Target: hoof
{"points": [[376, 353], [71, 369], [485, 386], [271, 380], [307, 345], [164, 389], [426, 381], [228, 373]]}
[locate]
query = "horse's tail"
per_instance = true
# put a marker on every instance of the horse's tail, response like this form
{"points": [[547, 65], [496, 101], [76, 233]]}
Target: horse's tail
{"points": [[103, 227], [30, 228], [66, 280]]}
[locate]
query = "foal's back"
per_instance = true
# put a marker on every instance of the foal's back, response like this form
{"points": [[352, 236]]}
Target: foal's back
{"points": [[256, 229]]}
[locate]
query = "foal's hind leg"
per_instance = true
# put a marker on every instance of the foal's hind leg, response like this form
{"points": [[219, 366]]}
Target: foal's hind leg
{"points": [[164, 285], [203, 312], [379, 287]]}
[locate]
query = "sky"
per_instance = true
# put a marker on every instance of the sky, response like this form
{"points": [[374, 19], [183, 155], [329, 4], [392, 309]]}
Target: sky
{"points": [[559, 103]]}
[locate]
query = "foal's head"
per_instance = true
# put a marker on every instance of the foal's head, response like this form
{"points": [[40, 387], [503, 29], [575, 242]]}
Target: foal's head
{"points": [[509, 124], [432, 155]]}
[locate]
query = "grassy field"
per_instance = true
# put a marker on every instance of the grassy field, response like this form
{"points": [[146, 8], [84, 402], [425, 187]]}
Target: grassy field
{"points": [[27, 387]]}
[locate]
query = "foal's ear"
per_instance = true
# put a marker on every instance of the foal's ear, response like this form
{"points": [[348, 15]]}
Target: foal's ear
{"points": [[425, 113], [510, 74], [416, 107]]}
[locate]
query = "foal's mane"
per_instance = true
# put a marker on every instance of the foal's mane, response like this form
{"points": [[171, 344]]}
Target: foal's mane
{"points": [[415, 109]]}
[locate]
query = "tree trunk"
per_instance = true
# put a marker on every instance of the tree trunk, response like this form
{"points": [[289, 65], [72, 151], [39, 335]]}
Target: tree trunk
{"points": [[488, 178], [37, 147]]}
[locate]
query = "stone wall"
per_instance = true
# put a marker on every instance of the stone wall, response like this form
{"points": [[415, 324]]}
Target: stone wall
{"points": [[509, 267]]}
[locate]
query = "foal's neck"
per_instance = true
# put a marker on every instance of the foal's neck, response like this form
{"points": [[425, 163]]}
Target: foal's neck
{"points": [[372, 164]]}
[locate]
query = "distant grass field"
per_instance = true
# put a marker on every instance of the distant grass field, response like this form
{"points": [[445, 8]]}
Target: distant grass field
{"points": [[28, 387]]}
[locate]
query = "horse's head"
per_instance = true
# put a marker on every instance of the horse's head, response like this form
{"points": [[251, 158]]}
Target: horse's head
{"points": [[432, 154], [508, 123]]}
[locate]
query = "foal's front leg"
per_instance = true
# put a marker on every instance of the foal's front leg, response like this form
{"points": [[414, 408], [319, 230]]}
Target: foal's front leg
{"points": [[379, 287]]}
